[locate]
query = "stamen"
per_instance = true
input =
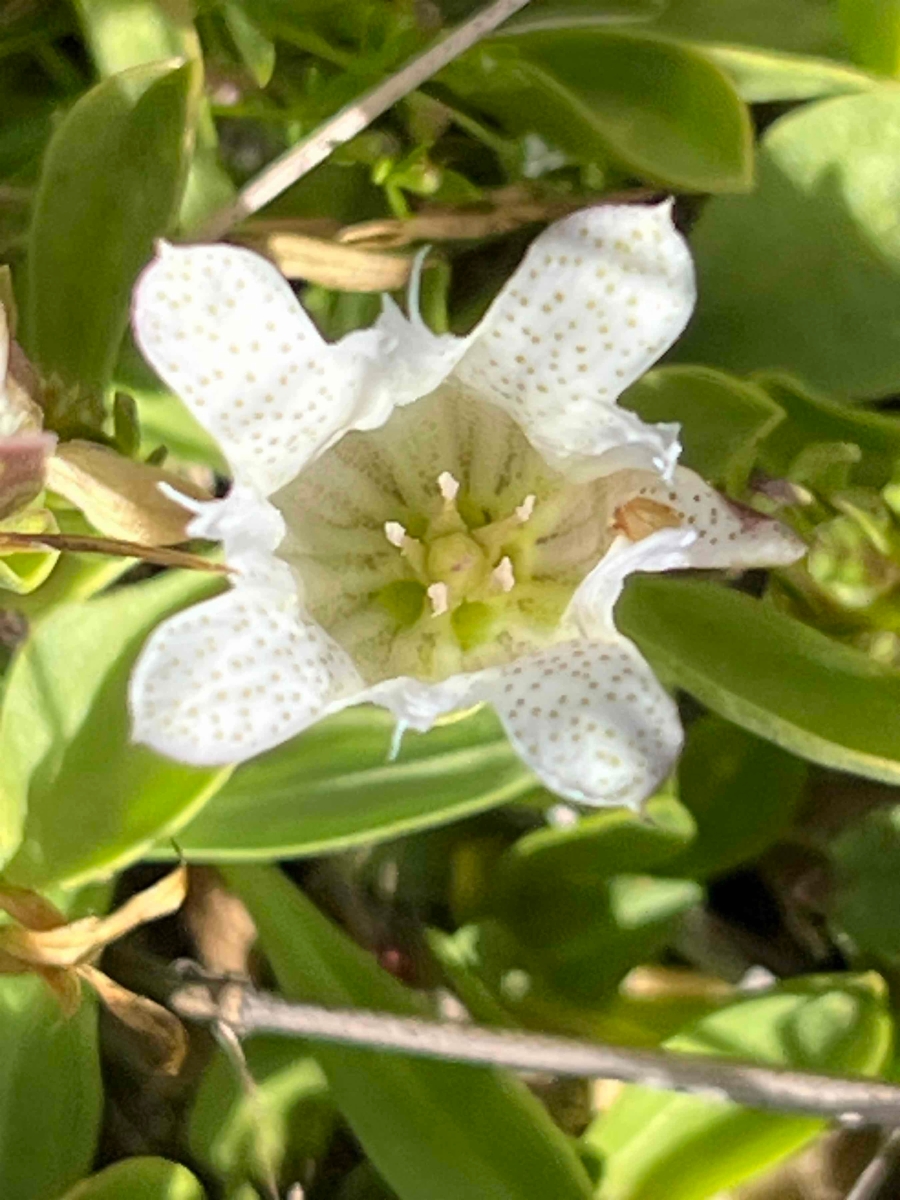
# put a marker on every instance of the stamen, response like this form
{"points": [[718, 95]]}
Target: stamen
{"points": [[526, 508], [449, 487], [439, 595], [411, 548], [503, 574], [395, 533]]}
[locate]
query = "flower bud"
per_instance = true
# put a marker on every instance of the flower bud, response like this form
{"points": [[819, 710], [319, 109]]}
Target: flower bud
{"points": [[122, 498]]}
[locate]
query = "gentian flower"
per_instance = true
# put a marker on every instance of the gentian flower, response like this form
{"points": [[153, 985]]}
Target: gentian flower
{"points": [[430, 522]]}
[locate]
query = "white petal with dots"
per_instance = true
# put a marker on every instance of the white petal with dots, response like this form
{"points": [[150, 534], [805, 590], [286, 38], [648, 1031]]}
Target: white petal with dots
{"points": [[224, 330], [236, 675], [726, 534], [597, 299], [590, 719]]}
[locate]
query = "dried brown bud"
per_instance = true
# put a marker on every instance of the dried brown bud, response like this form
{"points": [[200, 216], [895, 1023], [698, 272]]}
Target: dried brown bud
{"points": [[23, 460], [122, 498]]}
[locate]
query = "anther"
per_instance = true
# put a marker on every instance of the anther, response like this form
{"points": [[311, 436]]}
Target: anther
{"points": [[503, 574], [449, 487], [525, 509], [395, 533], [439, 595]]}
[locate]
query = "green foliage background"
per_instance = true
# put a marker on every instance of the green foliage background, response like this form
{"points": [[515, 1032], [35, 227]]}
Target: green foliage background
{"points": [[776, 124]]}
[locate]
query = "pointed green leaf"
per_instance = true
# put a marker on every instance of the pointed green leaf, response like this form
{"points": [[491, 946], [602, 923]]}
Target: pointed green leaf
{"points": [[722, 418], [812, 418], [335, 786], [111, 182], [654, 106], [815, 697], [128, 33], [434, 1131]]}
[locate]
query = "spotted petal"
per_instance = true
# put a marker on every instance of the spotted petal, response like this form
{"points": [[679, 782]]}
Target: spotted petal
{"points": [[597, 299], [236, 675], [590, 719], [727, 535], [224, 330]]}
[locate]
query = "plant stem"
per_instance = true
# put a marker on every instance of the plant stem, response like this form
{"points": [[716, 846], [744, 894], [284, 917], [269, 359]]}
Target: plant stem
{"points": [[353, 118]]}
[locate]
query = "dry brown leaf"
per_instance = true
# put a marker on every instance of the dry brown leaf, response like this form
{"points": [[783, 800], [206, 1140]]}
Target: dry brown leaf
{"points": [[122, 498], [29, 909], [65, 985], [79, 942], [344, 268], [504, 211], [158, 1027]]}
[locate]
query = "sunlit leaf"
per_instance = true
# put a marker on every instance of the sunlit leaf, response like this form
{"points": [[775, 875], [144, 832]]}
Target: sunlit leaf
{"points": [[93, 799], [111, 182], [335, 786], [769, 673], [51, 1096], [434, 1131], [658, 108], [139, 1179], [656, 1143], [803, 274]]}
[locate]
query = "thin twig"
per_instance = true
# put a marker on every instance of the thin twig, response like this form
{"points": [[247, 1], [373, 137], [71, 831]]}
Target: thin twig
{"points": [[353, 118], [873, 1179], [228, 1039], [855, 1101], [116, 547]]}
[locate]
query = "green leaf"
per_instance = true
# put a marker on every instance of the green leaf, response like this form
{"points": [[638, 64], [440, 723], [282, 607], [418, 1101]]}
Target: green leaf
{"points": [[661, 110], [139, 1179], [577, 938], [579, 904], [335, 787], [742, 793], [763, 76], [257, 51], [51, 1095], [434, 1131], [271, 1133], [813, 27], [128, 33], [93, 799], [596, 847], [813, 418], [767, 57], [873, 31], [803, 275], [658, 1143], [815, 697], [867, 868], [112, 178], [722, 419]]}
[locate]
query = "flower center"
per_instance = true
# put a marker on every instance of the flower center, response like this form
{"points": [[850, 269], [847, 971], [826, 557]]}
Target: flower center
{"points": [[442, 542], [456, 563]]}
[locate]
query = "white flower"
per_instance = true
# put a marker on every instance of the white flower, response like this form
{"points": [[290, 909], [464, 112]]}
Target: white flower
{"points": [[430, 522]]}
